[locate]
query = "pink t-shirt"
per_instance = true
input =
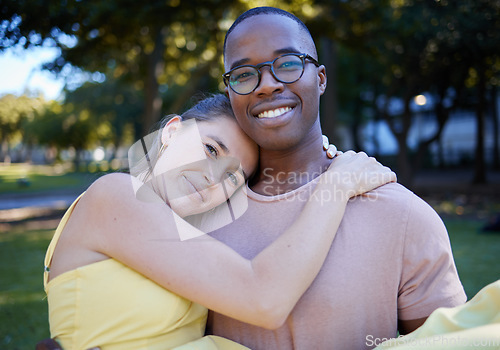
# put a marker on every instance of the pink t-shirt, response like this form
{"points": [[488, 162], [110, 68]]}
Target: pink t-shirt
{"points": [[391, 259]]}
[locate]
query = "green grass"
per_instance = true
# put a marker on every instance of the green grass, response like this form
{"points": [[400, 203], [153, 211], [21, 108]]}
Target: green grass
{"points": [[42, 178], [475, 252], [23, 308]]}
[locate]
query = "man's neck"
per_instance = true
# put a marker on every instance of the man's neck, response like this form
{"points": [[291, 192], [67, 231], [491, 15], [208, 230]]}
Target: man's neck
{"points": [[285, 171]]}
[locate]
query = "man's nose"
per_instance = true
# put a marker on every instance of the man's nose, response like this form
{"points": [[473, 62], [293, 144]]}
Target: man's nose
{"points": [[268, 83]]}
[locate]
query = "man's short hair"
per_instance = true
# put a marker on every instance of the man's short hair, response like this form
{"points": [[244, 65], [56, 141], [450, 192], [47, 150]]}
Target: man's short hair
{"points": [[265, 10]]}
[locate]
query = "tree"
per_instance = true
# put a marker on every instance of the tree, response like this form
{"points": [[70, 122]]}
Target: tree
{"points": [[112, 107], [59, 127], [14, 113], [420, 46], [150, 45]]}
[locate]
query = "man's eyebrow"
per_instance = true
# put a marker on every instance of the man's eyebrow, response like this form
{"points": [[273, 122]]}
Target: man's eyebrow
{"points": [[239, 63], [284, 50], [278, 52]]}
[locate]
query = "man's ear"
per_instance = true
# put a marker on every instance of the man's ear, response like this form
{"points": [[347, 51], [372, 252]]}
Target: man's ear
{"points": [[322, 79], [226, 91], [172, 126]]}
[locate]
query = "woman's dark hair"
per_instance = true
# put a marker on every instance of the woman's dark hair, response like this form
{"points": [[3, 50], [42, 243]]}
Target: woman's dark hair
{"points": [[208, 108], [144, 157]]}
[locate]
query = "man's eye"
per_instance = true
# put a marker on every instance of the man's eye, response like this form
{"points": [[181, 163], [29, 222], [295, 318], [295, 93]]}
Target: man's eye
{"points": [[233, 178], [289, 65], [240, 77], [211, 150]]}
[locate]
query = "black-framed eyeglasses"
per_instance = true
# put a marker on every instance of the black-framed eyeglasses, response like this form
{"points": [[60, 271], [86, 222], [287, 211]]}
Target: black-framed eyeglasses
{"points": [[287, 68]]}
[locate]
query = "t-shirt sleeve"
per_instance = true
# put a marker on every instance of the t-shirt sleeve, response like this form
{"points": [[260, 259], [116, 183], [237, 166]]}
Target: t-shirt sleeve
{"points": [[429, 276]]}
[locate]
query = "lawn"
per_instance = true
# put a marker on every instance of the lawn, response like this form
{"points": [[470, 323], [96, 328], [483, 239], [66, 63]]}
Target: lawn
{"points": [[476, 253], [23, 309], [27, 178]]}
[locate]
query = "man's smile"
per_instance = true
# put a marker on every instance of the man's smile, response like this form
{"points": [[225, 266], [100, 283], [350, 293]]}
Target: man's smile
{"points": [[274, 113]]}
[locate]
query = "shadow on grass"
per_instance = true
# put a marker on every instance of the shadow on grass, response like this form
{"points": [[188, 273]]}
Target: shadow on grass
{"points": [[23, 307], [23, 324]]}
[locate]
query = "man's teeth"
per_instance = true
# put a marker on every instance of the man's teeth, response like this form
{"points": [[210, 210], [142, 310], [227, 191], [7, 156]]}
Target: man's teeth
{"points": [[274, 113]]}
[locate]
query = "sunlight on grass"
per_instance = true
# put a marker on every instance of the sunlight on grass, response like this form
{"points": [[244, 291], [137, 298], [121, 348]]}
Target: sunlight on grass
{"points": [[22, 178], [20, 297]]}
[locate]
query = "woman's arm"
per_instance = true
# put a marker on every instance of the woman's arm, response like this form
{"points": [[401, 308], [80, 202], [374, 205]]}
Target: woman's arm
{"points": [[262, 291]]}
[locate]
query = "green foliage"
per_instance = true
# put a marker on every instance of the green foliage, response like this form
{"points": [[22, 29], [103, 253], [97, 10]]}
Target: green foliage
{"points": [[15, 112], [397, 49], [166, 51], [109, 108], [149, 45], [163, 52]]}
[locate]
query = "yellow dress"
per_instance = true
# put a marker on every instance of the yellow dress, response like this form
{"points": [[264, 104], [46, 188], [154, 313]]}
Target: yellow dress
{"points": [[109, 305], [473, 325]]}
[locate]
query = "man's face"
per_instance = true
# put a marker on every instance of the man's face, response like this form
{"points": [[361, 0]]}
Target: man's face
{"points": [[296, 106]]}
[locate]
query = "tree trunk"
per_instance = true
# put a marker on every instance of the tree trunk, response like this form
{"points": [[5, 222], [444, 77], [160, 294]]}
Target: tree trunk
{"points": [[404, 168], [356, 121], [153, 102], [4, 151], [480, 166], [442, 115], [496, 130], [329, 100], [376, 120], [28, 153]]}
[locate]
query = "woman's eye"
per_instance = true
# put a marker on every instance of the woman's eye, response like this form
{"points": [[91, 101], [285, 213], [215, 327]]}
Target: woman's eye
{"points": [[233, 178], [211, 149]]}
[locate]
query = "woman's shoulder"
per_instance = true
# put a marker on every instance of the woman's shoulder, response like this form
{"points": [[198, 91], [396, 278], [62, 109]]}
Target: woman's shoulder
{"points": [[110, 188], [111, 181], [112, 185], [119, 191]]}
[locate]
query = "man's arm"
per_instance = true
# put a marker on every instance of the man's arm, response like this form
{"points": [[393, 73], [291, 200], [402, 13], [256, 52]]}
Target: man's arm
{"points": [[429, 278]]}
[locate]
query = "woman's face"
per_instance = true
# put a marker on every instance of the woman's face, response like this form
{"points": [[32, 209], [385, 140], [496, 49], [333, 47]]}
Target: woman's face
{"points": [[203, 164]]}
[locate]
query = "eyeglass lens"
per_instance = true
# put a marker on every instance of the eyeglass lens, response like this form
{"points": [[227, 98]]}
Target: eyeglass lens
{"points": [[286, 69]]}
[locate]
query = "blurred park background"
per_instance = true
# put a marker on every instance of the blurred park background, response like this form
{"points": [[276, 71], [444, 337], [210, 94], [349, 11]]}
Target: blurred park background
{"points": [[412, 82]]}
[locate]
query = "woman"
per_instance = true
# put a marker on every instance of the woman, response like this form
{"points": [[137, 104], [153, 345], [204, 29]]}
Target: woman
{"points": [[119, 237]]}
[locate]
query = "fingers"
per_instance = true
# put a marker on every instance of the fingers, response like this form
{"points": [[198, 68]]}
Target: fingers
{"points": [[332, 151], [325, 142], [391, 177], [349, 154], [360, 173]]}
